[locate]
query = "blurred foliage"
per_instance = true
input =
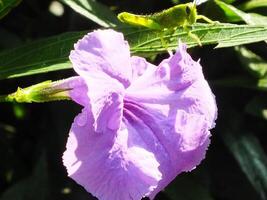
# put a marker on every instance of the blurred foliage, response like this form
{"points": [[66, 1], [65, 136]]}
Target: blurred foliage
{"points": [[36, 37], [94, 11], [249, 5], [6, 6]]}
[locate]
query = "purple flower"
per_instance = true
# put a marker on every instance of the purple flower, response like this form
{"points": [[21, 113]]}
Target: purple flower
{"points": [[141, 124]]}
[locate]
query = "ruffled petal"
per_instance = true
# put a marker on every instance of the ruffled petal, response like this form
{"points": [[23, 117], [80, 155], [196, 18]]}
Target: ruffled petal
{"points": [[103, 51], [113, 165], [139, 66], [102, 59], [176, 150], [142, 125], [179, 82], [175, 102]]}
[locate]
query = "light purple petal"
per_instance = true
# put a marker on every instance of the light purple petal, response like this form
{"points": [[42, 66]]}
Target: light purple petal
{"points": [[176, 103], [78, 91], [139, 66], [102, 59], [179, 82], [110, 165], [143, 124], [103, 51], [76, 87]]}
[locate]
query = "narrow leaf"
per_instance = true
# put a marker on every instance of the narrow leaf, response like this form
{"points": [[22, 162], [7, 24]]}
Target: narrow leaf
{"points": [[249, 5], [229, 1], [248, 152], [229, 11], [257, 107], [94, 11], [233, 15], [51, 54], [6, 6], [41, 56], [251, 158], [252, 62]]}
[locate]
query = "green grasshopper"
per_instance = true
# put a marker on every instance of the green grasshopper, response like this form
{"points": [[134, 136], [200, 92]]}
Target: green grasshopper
{"points": [[182, 15]]}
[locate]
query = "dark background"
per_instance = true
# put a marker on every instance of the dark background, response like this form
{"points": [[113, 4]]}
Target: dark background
{"points": [[33, 136]]}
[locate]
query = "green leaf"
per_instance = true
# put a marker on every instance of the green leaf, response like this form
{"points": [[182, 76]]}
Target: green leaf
{"points": [[234, 15], [41, 56], [257, 107], [229, 1], [249, 5], [94, 11], [6, 6], [229, 11], [247, 151], [252, 62], [51, 54], [251, 158]]}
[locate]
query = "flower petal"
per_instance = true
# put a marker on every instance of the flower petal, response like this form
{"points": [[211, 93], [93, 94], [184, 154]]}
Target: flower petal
{"points": [[142, 125], [175, 102], [139, 66], [78, 91], [182, 138], [102, 59], [103, 51], [179, 82], [112, 165]]}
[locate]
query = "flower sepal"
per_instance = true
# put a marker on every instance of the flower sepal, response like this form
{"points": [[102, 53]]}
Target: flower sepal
{"points": [[42, 92]]}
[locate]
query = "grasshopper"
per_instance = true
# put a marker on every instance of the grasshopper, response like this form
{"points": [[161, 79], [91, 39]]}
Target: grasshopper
{"points": [[182, 15]]}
